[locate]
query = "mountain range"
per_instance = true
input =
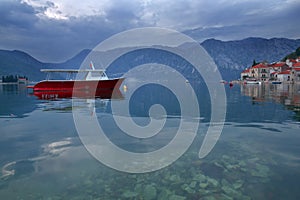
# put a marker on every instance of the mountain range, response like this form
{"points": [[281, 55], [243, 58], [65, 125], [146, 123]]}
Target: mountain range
{"points": [[231, 57]]}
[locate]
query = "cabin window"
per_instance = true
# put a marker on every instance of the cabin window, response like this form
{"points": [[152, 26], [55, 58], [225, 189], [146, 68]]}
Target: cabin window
{"points": [[95, 74]]}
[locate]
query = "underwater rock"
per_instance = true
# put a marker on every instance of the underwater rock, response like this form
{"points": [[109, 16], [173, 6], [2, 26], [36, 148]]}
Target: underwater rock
{"points": [[193, 184], [164, 194], [187, 188], [262, 168], [232, 167], [229, 190], [232, 193], [238, 184], [243, 169], [225, 157], [177, 197], [88, 183], [242, 163], [253, 160], [175, 178], [218, 164], [133, 176], [244, 197], [149, 192], [199, 178], [129, 194], [204, 192], [203, 185], [140, 179], [224, 182], [260, 171], [225, 197], [209, 198], [138, 188], [213, 182], [107, 189]]}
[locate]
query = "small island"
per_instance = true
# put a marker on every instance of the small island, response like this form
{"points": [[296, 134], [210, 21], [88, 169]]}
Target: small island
{"points": [[14, 79]]}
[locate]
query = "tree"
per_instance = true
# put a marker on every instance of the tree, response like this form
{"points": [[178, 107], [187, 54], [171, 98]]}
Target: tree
{"points": [[292, 55]]}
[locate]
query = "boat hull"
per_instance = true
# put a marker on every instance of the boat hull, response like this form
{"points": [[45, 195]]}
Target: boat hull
{"points": [[276, 82], [49, 89], [252, 82]]}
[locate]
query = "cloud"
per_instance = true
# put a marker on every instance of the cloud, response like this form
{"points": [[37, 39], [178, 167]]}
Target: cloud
{"points": [[54, 30], [62, 10], [13, 14]]}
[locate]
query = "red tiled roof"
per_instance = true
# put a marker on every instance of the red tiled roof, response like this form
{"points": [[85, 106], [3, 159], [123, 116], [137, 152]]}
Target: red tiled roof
{"points": [[260, 65], [274, 73], [246, 71], [279, 64], [285, 72], [296, 64], [297, 68]]}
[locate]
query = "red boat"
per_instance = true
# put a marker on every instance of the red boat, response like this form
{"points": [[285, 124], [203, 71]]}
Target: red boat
{"points": [[95, 83]]}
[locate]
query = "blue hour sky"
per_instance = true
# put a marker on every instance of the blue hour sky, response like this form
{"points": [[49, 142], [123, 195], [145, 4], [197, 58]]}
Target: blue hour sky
{"points": [[55, 30]]}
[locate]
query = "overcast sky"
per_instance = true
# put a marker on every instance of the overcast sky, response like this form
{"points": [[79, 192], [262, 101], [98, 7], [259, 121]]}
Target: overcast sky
{"points": [[55, 30]]}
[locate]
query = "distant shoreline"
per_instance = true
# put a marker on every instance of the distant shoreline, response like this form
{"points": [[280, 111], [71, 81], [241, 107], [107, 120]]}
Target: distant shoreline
{"points": [[12, 83], [242, 82]]}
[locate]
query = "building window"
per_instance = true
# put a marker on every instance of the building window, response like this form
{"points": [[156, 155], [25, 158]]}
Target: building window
{"points": [[263, 71]]}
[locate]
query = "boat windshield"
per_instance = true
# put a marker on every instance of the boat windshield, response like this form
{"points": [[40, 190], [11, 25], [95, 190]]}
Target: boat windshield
{"points": [[58, 74]]}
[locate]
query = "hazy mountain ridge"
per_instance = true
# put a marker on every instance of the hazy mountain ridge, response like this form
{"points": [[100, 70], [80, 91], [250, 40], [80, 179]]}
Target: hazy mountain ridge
{"points": [[20, 63], [230, 56], [16, 62], [74, 62], [241, 53]]}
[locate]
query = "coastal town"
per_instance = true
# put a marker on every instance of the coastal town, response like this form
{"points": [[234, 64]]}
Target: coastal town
{"points": [[277, 82], [276, 73]]}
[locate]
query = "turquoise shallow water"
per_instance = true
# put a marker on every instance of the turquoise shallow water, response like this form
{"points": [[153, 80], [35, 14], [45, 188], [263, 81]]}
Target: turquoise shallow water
{"points": [[256, 157]]}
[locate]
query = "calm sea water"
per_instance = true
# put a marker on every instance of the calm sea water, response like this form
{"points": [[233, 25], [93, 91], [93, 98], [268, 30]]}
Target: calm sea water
{"points": [[256, 157]]}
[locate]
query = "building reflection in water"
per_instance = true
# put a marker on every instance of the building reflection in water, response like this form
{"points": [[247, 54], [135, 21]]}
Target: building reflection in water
{"points": [[286, 94]]}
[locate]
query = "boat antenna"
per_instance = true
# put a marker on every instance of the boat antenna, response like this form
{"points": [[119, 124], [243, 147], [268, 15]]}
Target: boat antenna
{"points": [[92, 65]]}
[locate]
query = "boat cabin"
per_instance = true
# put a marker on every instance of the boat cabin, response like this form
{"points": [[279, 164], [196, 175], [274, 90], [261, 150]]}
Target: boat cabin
{"points": [[81, 74]]}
